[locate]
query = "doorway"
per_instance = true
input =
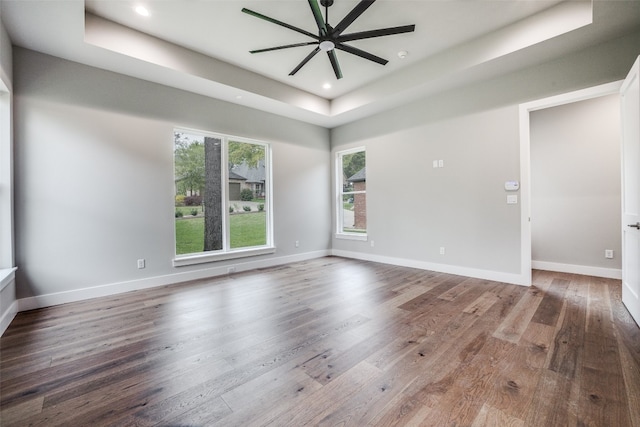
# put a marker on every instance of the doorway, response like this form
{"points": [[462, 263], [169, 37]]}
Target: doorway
{"points": [[526, 182]]}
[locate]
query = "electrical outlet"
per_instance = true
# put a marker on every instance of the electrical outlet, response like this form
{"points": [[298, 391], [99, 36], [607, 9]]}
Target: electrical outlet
{"points": [[441, 250], [141, 263], [297, 244], [373, 243], [608, 253]]}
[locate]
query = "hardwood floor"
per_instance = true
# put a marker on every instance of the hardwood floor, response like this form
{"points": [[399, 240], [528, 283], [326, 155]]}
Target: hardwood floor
{"points": [[329, 342]]}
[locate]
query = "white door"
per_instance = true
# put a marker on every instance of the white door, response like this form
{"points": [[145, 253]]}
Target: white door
{"points": [[630, 103]]}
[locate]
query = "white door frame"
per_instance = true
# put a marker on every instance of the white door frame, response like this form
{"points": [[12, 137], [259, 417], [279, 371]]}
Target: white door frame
{"points": [[525, 161]]}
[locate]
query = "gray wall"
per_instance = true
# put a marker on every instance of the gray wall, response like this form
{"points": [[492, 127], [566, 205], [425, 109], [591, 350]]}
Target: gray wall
{"points": [[94, 174], [94, 169], [414, 209], [575, 183]]}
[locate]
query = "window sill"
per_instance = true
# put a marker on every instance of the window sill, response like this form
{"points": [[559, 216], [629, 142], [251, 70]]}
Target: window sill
{"points": [[344, 236], [181, 261], [6, 276]]}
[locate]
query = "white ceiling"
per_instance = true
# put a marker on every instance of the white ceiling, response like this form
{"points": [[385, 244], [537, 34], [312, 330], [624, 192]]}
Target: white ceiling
{"points": [[219, 29], [455, 42]]}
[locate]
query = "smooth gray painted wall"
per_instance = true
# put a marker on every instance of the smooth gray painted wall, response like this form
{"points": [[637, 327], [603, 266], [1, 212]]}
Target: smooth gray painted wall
{"points": [[94, 174], [414, 209], [575, 183]]}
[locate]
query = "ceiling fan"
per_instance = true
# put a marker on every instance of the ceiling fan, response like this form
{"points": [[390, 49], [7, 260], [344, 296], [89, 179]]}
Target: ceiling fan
{"points": [[330, 38]]}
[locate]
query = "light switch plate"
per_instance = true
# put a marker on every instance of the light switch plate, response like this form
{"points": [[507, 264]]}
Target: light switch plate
{"points": [[512, 199]]}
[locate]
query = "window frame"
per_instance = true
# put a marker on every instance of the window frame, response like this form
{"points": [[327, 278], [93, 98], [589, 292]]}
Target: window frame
{"points": [[340, 193], [227, 253], [7, 256]]}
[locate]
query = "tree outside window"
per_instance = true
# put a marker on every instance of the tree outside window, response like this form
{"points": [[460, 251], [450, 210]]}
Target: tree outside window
{"points": [[220, 209]]}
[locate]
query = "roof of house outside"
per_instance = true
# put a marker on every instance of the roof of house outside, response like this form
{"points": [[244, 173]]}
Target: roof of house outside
{"points": [[359, 176], [236, 177], [255, 174]]}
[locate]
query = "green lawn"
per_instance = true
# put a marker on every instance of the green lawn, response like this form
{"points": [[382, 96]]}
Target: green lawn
{"points": [[246, 230]]}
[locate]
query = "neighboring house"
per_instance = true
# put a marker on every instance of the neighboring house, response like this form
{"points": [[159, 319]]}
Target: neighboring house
{"points": [[236, 182], [252, 178], [240, 177], [359, 180]]}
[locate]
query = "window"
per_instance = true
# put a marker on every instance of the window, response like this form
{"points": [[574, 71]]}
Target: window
{"points": [[352, 194], [6, 181], [222, 197], [7, 261]]}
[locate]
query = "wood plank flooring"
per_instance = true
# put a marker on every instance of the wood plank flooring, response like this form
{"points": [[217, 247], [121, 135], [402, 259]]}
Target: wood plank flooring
{"points": [[329, 342]]}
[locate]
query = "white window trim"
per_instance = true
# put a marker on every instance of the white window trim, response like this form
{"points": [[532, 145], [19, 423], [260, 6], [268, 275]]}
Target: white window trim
{"points": [[340, 233], [228, 253], [7, 259], [352, 236], [203, 257]]}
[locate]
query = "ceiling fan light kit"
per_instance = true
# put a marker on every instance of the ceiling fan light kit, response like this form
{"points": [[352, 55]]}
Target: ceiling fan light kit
{"points": [[331, 38], [327, 45]]}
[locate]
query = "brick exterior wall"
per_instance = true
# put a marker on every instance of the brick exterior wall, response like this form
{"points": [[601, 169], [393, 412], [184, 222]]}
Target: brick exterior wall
{"points": [[360, 206]]}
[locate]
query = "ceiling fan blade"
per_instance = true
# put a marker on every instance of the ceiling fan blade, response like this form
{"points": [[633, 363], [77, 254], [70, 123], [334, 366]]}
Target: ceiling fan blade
{"points": [[361, 53], [282, 24], [352, 16], [269, 49], [334, 63], [376, 33], [305, 60], [317, 14]]}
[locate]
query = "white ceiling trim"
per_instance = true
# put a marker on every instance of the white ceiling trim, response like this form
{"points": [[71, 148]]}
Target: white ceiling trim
{"points": [[186, 69], [57, 27], [156, 60]]}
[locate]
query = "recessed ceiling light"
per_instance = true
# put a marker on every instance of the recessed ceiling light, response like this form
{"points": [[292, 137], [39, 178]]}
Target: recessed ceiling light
{"points": [[141, 10], [326, 86]]}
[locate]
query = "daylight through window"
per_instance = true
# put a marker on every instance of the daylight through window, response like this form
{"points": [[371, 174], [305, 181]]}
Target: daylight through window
{"points": [[352, 193], [222, 198]]}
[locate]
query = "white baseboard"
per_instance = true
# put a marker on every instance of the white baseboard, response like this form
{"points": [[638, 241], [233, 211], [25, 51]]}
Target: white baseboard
{"points": [[57, 298], [40, 301], [516, 279], [609, 273]]}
